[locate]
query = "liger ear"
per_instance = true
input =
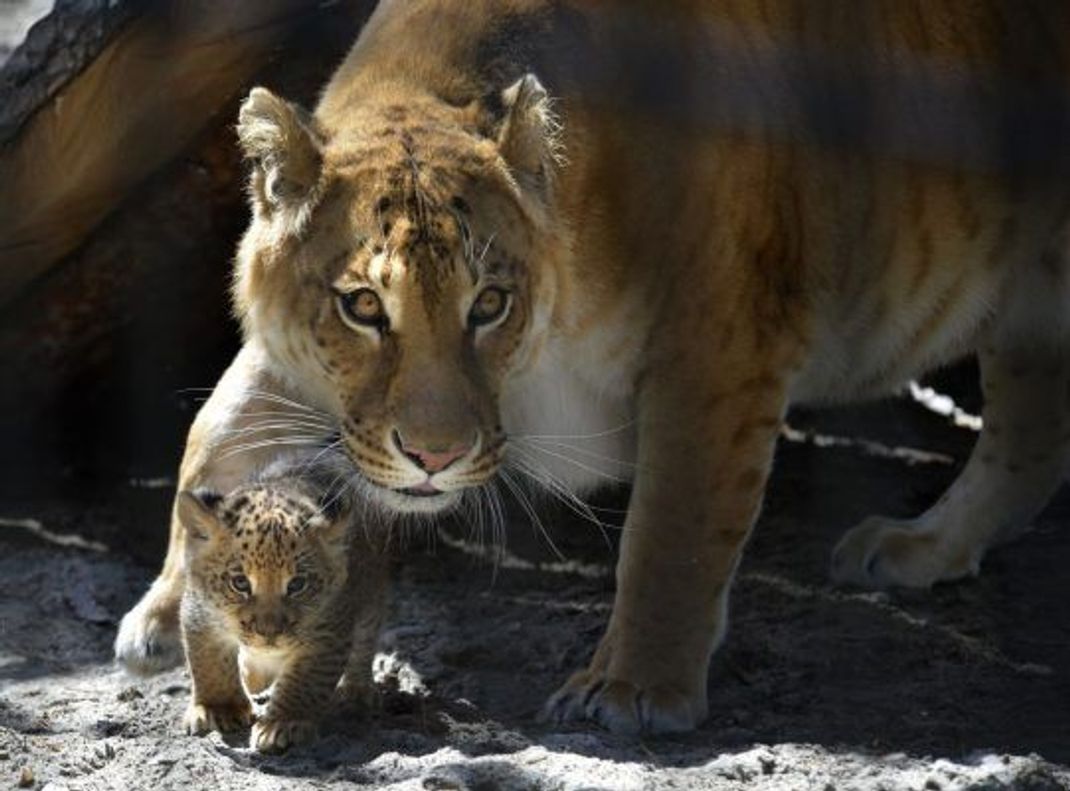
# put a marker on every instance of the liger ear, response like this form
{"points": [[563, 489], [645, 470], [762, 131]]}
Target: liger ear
{"points": [[529, 137], [285, 145], [196, 510]]}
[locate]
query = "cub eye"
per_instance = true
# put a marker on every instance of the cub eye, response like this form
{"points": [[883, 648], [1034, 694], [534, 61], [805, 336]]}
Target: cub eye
{"points": [[362, 308], [296, 585], [240, 583], [489, 306]]}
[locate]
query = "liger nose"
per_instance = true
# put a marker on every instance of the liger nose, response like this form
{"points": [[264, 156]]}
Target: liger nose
{"points": [[432, 460]]}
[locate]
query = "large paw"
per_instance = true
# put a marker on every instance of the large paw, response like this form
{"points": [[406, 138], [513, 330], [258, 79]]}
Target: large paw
{"points": [[624, 707], [882, 553], [148, 640], [201, 718], [273, 735]]}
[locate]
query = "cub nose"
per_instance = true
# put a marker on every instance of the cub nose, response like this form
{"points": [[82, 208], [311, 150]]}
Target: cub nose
{"points": [[431, 459], [269, 626]]}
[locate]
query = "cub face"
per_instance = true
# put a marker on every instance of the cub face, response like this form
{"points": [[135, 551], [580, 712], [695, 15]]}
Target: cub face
{"points": [[398, 272], [267, 561]]}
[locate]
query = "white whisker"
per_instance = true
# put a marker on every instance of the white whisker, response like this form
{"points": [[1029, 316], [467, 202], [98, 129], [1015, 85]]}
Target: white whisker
{"points": [[257, 428], [608, 432], [324, 451], [284, 442], [486, 249], [522, 499], [568, 498], [264, 395], [570, 460], [535, 444]]}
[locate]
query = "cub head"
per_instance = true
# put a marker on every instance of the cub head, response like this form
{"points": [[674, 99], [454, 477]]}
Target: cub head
{"points": [[400, 267], [268, 559]]}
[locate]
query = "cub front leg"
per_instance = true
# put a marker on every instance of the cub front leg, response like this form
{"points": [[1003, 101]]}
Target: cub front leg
{"points": [[302, 693], [357, 685], [704, 454], [218, 701]]}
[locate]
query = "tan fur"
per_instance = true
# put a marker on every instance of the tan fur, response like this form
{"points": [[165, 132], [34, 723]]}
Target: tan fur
{"points": [[677, 280], [267, 638]]}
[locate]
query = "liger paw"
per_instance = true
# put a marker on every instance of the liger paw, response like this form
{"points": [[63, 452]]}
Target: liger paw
{"points": [[623, 707], [148, 640], [883, 553]]}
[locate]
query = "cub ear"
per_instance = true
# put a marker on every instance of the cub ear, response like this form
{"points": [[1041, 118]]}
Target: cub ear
{"points": [[285, 145], [196, 510], [529, 137], [330, 528]]}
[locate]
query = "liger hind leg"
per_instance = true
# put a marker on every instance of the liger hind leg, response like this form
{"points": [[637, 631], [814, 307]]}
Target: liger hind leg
{"points": [[1015, 467]]}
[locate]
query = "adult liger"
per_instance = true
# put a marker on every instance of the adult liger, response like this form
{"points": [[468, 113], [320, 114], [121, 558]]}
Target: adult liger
{"points": [[454, 269]]}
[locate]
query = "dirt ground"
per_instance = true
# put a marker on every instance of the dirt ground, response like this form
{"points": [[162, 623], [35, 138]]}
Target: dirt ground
{"points": [[966, 686]]}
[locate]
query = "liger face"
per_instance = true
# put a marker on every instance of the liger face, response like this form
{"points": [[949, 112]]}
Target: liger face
{"points": [[417, 298]]}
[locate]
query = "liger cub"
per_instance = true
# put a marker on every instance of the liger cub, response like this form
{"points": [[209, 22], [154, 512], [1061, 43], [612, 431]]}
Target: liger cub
{"points": [[282, 606], [584, 241]]}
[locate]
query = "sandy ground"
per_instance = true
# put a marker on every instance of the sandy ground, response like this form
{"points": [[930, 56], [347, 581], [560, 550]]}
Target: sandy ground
{"points": [[966, 686]]}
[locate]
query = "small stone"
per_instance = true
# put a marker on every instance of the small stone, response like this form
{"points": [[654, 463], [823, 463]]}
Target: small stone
{"points": [[105, 751], [106, 727], [439, 783], [129, 694], [26, 778]]}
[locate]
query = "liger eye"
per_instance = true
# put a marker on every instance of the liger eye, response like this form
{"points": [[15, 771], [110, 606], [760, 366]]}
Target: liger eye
{"points": [[240, 583], [362, 308], [489, 306], [296, 585]]}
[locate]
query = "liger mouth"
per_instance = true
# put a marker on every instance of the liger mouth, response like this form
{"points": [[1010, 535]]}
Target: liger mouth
{"points": [[425, 489]]}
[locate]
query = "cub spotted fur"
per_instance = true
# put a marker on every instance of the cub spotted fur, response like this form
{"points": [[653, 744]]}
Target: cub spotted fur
{"points": [[734, 206], [283, 593]]}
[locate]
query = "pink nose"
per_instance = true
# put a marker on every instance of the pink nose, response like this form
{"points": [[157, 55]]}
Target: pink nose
{"points": [[429, 460]]}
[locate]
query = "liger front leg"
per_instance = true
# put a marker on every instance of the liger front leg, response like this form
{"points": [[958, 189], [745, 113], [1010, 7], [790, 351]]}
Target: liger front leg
{"points": [[707, 434], [148, 640]]}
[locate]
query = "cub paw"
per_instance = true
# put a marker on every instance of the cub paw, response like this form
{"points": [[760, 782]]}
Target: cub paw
{"points": [[882, 553], [623, 707], [201, 718], [356, 693], [148, 640], [275, 736]]}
